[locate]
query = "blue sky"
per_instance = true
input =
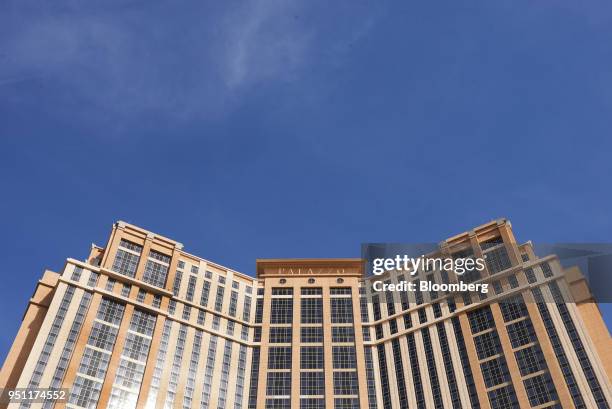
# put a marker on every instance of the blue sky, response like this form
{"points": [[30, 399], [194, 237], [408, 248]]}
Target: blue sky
{"points": [[297, 128]]}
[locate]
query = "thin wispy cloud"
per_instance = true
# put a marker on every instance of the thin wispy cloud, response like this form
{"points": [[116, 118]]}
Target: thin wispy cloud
{"points": [[175, 63], [264, 40]]}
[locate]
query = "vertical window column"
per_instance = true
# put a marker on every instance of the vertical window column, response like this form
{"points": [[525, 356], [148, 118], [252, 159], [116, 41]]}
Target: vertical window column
{"points": [[128, 379], [96, 356], [345, 380], [312, 375], [278, 374]]}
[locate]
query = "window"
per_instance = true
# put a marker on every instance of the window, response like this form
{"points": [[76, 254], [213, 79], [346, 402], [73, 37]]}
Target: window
{"points": [[186, 312], [521, 333], [191, 288], [282, 291], [530, 360], [278, 383], [127, 258], [344, 357], [497, 287], [246, 308], [155, 272], [346, 403], [110, 284], [512, 281], [343, 334], [540, 389], [201, 317], [495, 372], [481, 319], [110, 311], [312, 403], [141, 295], [278, 403], [279, 358], [422, 315], [312, 310], [546, 270], [257, 334], [363, 306], [487, 345], [407, 321], [94, 363], [390, 301], [280, 335], [340, 291], [233, 303], [76, 273], [376, 307], [530, 275], [503, 398], [366, 333], [497, 260], [125, 263], [85, 392], [311, 334], [219, 299], [311, 357], [378, 329], [437, 310], [142, 322], [259, 311], [341, 311], [345, 383], [93, 279], [281, 311], [205, 293], [194, 269], [176, 286], [490, 243], [312, 383], [393, 326], [136, 347], [311, 291], [156, 301], [513, 308]]}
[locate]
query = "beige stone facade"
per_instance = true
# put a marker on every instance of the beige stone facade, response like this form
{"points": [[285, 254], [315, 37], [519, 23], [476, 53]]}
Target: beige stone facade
{"points": [[143, 324]]}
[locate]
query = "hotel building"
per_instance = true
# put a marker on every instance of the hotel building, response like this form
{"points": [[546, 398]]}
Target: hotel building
{"points": [[143, 324]]}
